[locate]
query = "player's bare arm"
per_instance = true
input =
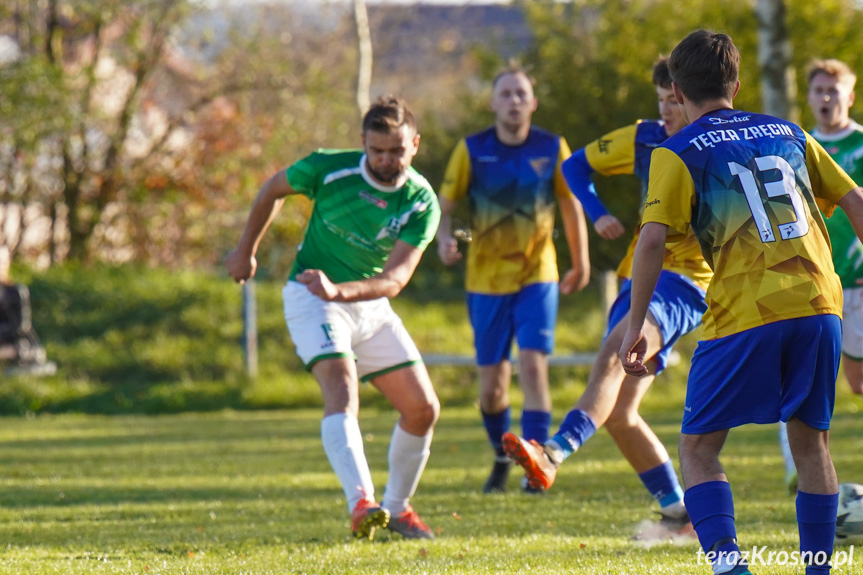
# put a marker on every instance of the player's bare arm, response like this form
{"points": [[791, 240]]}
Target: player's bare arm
{"points": [[447, 245], [852, 204], [646, 266], [389, 283], [241, 263], [575, 228]]}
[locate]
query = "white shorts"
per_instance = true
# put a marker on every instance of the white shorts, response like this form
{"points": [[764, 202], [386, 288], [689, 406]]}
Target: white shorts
{"points": [[852, 323], [370, 332]]}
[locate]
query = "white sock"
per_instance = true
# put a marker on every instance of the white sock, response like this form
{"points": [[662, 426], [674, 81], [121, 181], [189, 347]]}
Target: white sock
{"points": [[790, 468], [343, 443], [407, 458]]}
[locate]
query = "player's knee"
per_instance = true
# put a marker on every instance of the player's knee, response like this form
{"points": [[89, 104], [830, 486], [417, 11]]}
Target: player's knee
{"points": [[856, 385], [421, 417], [688, 447], [622, 421], [493, 398]]}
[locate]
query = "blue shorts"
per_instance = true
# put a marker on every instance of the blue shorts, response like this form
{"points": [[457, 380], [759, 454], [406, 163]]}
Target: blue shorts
{"points": [[529, 314], [765, 374], [677, 306]]}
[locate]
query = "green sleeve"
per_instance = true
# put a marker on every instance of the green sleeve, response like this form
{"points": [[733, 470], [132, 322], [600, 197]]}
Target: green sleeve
{"points": [[423, 222], [305, 176]]}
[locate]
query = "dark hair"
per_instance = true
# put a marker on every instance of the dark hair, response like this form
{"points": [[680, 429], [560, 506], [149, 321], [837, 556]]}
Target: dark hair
{"points": [[705, 66], [387, 114], [661, 76]]}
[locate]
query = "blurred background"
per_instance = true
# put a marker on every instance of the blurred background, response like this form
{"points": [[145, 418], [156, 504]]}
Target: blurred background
{"points": [[135, 134]]}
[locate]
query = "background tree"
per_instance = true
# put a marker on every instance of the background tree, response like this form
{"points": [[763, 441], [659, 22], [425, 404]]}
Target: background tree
{"points": [[778, 87], [162, 118]]}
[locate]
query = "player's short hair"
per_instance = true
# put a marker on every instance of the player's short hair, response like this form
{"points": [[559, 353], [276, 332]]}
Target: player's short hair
{"points": [[387, 115], [512, 68], [831, 67], [705, 65], [661, 76]]}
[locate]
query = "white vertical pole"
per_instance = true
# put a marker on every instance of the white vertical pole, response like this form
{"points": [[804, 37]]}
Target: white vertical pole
{"points": [[608, 289], [250, 329]]}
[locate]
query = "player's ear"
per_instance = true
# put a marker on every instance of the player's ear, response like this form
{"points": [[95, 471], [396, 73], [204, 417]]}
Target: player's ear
{"points": [[416, 143], [851, 98], [736, 89], [678, 93]]}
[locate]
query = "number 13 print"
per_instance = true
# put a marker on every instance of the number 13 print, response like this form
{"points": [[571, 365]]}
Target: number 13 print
{"points": [[787, 186]]}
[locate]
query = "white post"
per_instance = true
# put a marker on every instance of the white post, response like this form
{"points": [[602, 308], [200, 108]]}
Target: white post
{"points": [[250, 329], [609, 289]]}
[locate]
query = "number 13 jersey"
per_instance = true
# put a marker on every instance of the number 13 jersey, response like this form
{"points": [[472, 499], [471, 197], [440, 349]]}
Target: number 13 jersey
{"points": [[747, 184]]}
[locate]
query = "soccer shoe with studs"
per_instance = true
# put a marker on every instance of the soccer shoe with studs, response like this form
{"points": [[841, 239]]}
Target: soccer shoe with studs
{"points": [[366, 517], [539, 469], [409, 525]]}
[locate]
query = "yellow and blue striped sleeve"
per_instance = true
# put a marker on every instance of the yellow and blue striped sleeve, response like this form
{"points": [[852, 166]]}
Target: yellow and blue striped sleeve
{"points": [[561, 188], [670, 194], [457, 177], [614, 153]]}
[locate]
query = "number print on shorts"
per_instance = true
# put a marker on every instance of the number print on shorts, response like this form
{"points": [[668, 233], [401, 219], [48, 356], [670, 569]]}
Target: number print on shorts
{"points": [[787, 186]]}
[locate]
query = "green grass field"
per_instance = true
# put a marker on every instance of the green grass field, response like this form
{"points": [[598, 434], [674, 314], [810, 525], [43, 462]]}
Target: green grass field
{"points": [[150, 451], [252, 493]]}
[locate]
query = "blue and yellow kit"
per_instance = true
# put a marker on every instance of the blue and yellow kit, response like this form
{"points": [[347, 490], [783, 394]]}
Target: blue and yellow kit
{"points": [[512, 192], [627, 150], [747, 184]]}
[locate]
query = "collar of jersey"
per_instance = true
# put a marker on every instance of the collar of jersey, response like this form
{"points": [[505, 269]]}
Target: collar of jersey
{"points": [[852, 127], [374, 183]]}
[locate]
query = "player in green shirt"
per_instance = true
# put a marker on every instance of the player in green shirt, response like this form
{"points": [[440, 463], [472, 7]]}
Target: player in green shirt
{"points": [[831, 95], [373, 216]]}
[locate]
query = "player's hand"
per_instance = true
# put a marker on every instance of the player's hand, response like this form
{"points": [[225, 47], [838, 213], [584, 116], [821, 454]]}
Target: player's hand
{"points": [[574, 280], [240, 265], [447, 250], [319, 284], [608, 227], [859, 281], [632, 351]]}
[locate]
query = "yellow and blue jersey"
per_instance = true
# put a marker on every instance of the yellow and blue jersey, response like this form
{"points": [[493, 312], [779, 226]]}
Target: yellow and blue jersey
{"points": [[627, 150], [747, 185], [512, 192]]}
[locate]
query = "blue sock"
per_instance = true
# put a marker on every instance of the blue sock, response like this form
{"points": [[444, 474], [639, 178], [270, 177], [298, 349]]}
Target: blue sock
{"points": [[711, 510], [577, 428], [496, 424], [662, 484], [816, 521], [535, 424]]}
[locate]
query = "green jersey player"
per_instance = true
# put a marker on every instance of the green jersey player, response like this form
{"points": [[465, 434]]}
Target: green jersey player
{"points": [[831, 95], [373, 216]]}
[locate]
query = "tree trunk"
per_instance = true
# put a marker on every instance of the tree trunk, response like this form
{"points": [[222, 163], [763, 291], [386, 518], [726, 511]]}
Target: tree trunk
{"points": [[364, 64], [778, 84]]}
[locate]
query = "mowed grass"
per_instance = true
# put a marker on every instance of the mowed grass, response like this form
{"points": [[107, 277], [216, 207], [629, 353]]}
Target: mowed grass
{"points": [[251, 492]]}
